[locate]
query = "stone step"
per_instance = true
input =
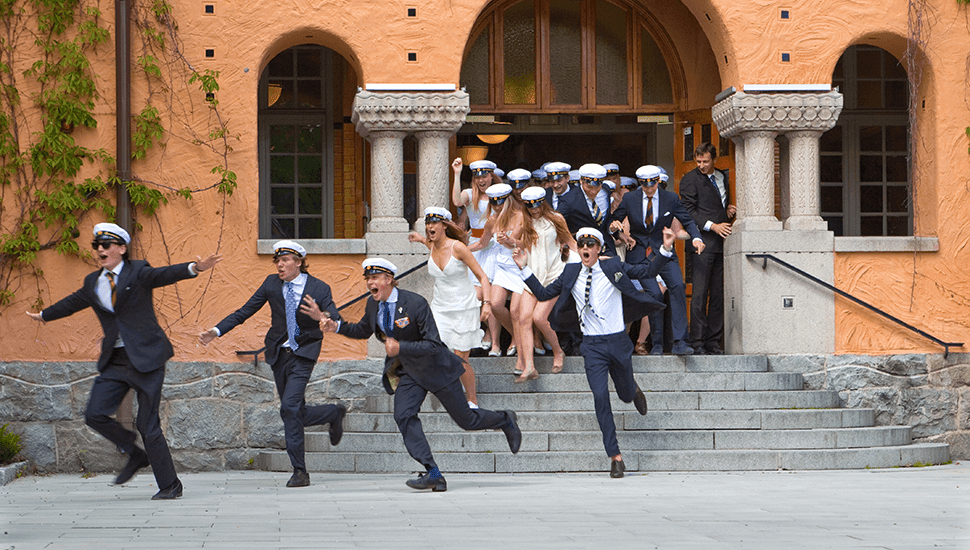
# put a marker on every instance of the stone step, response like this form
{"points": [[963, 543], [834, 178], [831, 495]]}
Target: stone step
{"points": [[656, 401], [642, 461], [661, 363], [495, 441], [653, 382], [572, 421]]}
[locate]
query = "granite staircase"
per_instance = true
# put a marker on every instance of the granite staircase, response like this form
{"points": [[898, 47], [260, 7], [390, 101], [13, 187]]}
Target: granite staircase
{"points": [[706, 413]]}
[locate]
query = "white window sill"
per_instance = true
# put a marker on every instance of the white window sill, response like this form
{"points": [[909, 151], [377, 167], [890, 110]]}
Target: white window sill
{"points": [[887, 244], [319, 246]]}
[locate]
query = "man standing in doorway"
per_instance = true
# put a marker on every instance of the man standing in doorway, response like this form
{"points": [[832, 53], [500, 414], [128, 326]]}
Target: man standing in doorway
{"points": [[704, 192]]}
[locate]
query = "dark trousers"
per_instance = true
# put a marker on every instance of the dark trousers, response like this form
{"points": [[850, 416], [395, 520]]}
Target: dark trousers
{"points": [[672, 277], [609, 357], [292, 373], [707, 300], [407, 403], [107, 393]]}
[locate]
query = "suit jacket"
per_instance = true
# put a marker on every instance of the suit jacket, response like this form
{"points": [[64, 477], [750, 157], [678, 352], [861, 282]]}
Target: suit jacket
{"points": [[636, 303], [550, 193], [310, 338], [423, 355], [703, 202], [631, 207], [573, 207], [133, 318]]}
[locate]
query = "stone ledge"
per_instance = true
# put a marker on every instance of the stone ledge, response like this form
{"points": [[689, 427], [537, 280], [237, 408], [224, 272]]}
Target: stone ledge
{"points": [[9, 473], [887, 244], [319, 246]]}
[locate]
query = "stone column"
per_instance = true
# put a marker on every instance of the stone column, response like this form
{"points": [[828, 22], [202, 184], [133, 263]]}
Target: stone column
{"points": [[387, 185], [759, 193], [804, 188], [434, 169]]}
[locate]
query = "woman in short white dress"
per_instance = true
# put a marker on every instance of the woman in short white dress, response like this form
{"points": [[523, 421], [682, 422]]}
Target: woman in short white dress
{"points": [[453, 304], [475, 202]]}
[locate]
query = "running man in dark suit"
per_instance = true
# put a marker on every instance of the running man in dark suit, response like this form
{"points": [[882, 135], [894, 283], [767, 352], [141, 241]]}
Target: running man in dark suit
{"points": [[133, 352], [292, 347], [704, 192], [417, 363], [598, 297]]}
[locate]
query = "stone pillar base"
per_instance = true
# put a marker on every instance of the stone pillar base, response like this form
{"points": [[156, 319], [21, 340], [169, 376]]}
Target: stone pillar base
{"points": [[773, 310], [388, 225], [806, 223]]}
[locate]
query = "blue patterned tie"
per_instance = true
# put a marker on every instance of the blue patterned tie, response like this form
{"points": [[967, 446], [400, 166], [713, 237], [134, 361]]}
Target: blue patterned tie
{"points": [[291, 303], [718, 189], [386, 319]]}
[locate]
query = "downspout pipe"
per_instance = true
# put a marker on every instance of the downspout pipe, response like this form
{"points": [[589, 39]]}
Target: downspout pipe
{"points": [[123, 105]]}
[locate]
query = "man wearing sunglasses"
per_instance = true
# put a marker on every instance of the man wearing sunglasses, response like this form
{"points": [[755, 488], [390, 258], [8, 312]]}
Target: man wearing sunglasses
{"points": [[133, 352], [598, 297]]}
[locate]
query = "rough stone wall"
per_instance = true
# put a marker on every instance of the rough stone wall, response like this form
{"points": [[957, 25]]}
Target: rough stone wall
{"points": [[925, 391], [215, 416]]}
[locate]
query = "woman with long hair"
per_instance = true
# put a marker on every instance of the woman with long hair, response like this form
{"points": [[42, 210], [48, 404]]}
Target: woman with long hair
{"points": [[547, 240], [475, 203], [454, 305]]}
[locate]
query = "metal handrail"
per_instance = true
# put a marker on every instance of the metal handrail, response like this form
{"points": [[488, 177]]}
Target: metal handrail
{"points": [[255, 352], [844, 294]]}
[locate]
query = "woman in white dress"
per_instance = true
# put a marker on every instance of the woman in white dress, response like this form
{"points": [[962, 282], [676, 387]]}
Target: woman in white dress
{"points": [[475, 202], [454, 305]]}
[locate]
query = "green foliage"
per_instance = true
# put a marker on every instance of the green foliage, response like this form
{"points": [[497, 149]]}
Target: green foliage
{"points": [[148, 130], [9, 445]]}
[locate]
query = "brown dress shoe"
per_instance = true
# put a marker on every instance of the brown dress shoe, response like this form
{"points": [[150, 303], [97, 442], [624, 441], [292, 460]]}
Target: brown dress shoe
{"points": [[641, 349]]}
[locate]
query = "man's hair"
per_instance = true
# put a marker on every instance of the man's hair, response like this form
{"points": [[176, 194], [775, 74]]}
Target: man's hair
{"points": [[704, 148], [304, 264]]}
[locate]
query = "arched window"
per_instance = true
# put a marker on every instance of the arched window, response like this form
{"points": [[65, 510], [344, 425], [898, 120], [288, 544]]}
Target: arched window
{"points": [[864, 165], [567, 55]]}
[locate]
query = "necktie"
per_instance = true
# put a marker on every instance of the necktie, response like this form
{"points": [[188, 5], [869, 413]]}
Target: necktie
{"points": [[718, 189], [597, 215], [587, 307], [649, 215], [111, 281], [291, 303], [386, 320]]}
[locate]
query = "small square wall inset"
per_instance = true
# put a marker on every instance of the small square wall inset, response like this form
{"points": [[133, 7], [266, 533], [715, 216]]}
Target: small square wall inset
{"points": [[412, 57], [784, 14], [412, 12], [785, 57], [210, 53], [209, 9]]}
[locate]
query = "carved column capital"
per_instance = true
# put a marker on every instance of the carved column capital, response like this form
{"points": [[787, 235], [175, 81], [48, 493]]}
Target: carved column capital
{"points": [[409, 112], [779, 112]]}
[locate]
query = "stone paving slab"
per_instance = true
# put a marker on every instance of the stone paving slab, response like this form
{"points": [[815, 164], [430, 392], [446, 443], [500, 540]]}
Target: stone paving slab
{"points": [[894, 509]]}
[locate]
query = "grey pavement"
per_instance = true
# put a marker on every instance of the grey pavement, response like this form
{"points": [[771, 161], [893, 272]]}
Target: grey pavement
{"points": [[898, 509]]}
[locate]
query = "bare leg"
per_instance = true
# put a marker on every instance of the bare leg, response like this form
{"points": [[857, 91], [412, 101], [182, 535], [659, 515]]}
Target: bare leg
{"points": [[468, 378], [522, 314], [540, 316]]}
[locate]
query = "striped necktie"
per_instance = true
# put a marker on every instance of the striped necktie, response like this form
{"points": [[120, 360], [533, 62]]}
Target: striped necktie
{"points": [[597, 214], [648, 223], [292, 330], [114, 293], [586, 306]]}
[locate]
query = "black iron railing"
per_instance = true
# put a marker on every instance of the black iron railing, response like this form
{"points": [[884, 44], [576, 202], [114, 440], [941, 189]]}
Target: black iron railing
{"points": [[844, 294]]}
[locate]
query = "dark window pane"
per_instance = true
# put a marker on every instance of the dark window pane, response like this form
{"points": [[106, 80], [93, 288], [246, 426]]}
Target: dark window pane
{"points": [[896, 138], [410, 149], [897, 95], [870, 138], [311, 201], [656, 77], [283, 228], [835, 224], [871, 226], [310, 139], [308, 63], [310, 169], [281, 139], [311, 228], [896, 169], [519, 47], [410, 197], [281, 201], [611, 69], [474, 71], [724, 147], [565, 52], [897, 199], [831, 141], [870, 94], [285, 90], [281, 169], [705, 133], [870, 198], [311, 94], [892, 67], [831, 168], [839, 69], [831, 199], [281, 65], [870, 168], [897, 226], [869, 63]]}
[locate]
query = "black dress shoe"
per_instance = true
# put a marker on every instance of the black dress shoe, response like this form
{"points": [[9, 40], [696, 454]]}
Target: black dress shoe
{"points": [[337, 426], [513, 433], [437, 485], [713, 349], [171, 492], [640, 402], [136, 461], [617, 469], [299, 479], [681, 348]]}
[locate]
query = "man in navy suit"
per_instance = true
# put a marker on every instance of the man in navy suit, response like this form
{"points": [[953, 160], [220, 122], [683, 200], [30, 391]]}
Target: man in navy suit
{"points": [[292, 347], [704, 192], [417, 362], [133, 352], [598, 297], [589, 204], [558, 173], [651, 210]]}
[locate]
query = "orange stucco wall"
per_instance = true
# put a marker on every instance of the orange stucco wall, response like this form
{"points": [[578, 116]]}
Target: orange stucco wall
{"points": [[719, 43]]}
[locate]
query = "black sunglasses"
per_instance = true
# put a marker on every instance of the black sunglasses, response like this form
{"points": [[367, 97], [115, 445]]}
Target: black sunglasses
{"points": [[588, 241], [105, 244]]}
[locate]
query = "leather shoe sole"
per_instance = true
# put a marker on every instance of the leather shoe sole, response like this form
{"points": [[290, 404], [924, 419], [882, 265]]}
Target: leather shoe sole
{"points": [[512, 432], [640, 402], [136, 461], [437, 485], [617, 469], [171, 492], [337, 426]]}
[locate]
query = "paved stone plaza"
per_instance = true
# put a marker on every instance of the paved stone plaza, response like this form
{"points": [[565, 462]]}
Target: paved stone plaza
{"points": [[898, 509]]}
